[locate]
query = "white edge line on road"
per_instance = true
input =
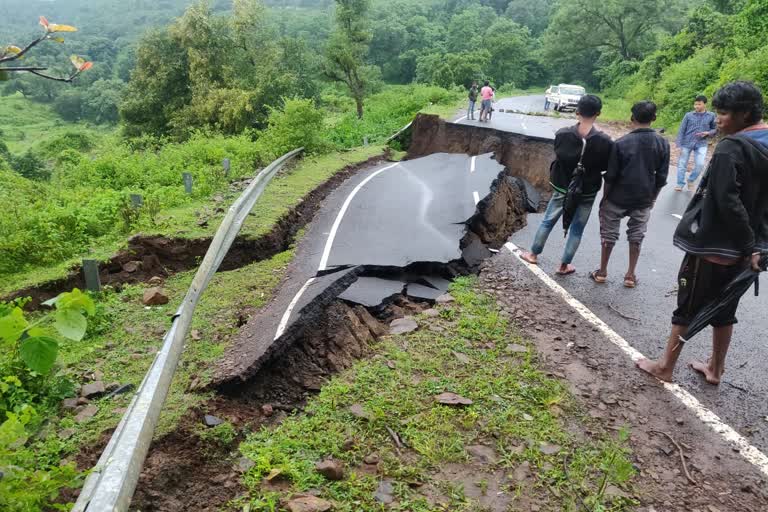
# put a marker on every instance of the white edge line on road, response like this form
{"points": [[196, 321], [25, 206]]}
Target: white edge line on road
{"points": [[473, 164], [749, 452], [476, 196], [677, 216], [340, 216], [460, 119], [291, 306]]}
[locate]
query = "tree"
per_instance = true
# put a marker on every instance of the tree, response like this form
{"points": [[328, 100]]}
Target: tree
{"points": [[451, 69], [13, 53], [348, 48], [534, 14], [510, 47]]}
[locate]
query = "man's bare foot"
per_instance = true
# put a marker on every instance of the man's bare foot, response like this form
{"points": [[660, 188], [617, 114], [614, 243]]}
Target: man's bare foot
{"points": [[708, 373], [565, 270], [530, 258], [655, 369]]}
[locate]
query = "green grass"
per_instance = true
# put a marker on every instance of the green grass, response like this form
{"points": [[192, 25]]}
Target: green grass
{"points": [[517, 410], [284, 192], [124, 337], [616, 109], [26, 123]]}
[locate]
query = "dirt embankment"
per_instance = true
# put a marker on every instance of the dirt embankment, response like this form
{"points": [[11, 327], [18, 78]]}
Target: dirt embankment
{"points": [[524, 156], [152, 255]]}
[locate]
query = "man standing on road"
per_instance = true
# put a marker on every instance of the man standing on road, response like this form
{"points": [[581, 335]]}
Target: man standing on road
{"points": [[569, 144], [637, 171], [486, 93], [692, 136], [472, 100], [724, 229]]}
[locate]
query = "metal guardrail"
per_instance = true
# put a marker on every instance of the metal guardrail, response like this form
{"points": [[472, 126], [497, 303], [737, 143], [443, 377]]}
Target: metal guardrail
{"points": [[112, 482]]}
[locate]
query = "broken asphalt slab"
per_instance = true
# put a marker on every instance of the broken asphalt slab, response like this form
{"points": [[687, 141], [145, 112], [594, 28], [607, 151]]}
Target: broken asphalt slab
{"points": [[394, 217]]}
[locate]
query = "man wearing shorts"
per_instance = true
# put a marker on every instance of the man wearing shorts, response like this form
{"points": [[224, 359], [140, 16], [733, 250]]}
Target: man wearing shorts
{"points": [[724, 229], [486, 93], [636, 173]]}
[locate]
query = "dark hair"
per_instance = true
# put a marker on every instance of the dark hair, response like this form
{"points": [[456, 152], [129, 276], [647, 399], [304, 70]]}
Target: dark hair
{"points": [[589, 105], [486, 83], [644, 112], [701, 98], [740, 97]]}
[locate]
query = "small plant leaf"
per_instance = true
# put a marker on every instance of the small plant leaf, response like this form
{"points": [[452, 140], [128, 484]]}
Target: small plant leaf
{"points": [[39, 353], [57, 39], [13, 49], [13, 325], [44, 22], [71, 324], [53, 27], [86, 66], [76, 300], [77, 61]]}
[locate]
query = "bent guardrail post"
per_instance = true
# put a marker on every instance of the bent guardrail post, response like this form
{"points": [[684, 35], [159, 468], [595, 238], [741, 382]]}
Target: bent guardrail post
{"points": [[111, 484]]}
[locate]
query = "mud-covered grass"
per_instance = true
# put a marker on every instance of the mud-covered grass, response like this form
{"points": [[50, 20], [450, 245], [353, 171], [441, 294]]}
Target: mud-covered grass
{"points": [[200, 219], [524, 417]]}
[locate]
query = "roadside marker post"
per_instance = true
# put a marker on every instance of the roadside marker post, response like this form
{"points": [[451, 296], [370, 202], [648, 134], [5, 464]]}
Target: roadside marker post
{"points": [[365, 140], [91, 274], [226, 164], [137, 200], [187, 182]]}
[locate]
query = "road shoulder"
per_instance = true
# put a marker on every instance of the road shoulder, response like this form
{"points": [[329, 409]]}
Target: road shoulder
{"points": [[616, 395]]}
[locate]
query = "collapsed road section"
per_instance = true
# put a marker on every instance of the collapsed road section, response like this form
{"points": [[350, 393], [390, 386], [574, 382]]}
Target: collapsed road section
{"points": [[404, 229]]}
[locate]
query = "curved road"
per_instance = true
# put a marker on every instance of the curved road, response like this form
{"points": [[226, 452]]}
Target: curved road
{"points": [[642, 316]]}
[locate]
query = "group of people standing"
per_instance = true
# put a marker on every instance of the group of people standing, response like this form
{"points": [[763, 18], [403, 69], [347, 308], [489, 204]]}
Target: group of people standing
{"points": [[487, 94], [725, 226]]}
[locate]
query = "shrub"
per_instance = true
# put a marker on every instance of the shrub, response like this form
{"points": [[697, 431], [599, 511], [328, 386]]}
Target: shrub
{"points": [[298, 124]]}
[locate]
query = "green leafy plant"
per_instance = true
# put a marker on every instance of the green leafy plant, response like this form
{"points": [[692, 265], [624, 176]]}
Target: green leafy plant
{"points": [[34, 343]]}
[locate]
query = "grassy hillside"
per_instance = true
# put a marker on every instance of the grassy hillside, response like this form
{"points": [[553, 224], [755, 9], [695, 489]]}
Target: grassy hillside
{"points": [[24, 123]]}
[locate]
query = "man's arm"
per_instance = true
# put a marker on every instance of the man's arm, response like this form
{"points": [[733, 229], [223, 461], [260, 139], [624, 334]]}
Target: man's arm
{"points": [[725, 189], [712, 128], [613, 167], [681, 131], [662, 172]]}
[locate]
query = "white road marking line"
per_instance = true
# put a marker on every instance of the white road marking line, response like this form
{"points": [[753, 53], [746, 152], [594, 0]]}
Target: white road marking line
{"points": [[749, 452], [340, 216], [472, 164], [677, 216], [327, 251], [287, 315], [460, 119], [522, 123], [476, 196]]}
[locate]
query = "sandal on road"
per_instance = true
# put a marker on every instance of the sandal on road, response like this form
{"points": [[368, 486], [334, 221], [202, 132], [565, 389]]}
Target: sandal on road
{"points": [[570, 269], [630, 281], [596, 277]]}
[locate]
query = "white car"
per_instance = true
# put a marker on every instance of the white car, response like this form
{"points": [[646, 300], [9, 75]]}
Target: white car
{"points": [[563, 97]]}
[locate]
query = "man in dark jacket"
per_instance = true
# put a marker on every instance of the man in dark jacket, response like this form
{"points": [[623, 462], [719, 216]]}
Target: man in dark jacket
{"points": [[724, 229], [637, 171], [570, 143]]}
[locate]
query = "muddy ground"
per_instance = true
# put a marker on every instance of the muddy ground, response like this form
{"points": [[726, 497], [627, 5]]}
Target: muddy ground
{"points": [[616, 394]]}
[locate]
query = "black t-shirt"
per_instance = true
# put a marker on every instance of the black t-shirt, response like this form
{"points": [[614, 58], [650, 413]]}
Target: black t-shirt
{"points": [[473, 94], [568, 144]]}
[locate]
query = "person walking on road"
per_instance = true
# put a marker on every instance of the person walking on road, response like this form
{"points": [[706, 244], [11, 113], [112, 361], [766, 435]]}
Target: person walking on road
{"points": [[486, 93], [724, 229], [472, 101], [580, 142], [637, 171], [696, 128]]}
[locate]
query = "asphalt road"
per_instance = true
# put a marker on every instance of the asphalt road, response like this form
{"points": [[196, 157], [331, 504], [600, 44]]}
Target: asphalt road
{"points": [[740, 400], [388, 216], [516, 121]]}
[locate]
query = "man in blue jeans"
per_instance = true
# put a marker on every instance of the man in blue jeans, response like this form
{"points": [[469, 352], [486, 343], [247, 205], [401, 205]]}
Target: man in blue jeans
{"points": [[569, 144], [692, 136]]}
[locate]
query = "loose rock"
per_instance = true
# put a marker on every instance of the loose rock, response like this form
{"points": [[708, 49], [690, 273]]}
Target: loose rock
{"points": [[212, 421], [69, 404], [482, 454], [403, 325], [88, 412], [432, 313], [93, 390], [452, 399], [131, 266], [267, 410], [154, 297], [384, 493], [549, 449], [445, 299], [307, 503], [463, 358], [516, 349], [358, 412], [330, 469], [155, 281]]}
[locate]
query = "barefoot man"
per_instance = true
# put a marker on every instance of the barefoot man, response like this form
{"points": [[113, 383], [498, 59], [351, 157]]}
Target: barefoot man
{"points": [[724, 229], [568, 147]]}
